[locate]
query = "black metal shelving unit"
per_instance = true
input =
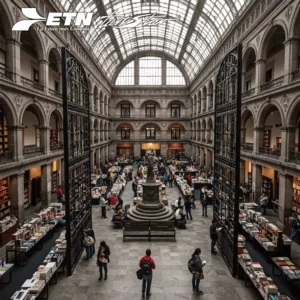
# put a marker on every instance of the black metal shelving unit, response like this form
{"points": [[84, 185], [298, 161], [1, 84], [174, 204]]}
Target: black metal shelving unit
{"points": [[76, 155], [227, 155]]}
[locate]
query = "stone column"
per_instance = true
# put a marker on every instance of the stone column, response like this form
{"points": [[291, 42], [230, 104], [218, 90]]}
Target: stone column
{"points": [[243, 136], [209, 101], [17, 195], [92, 161], [294, 54], [163, 149], [164, 71], [46, 187], [201, 157], [91, 100], [204, 104], [92, 135], [44, 74], [15, 141], [98, 158], [198, 106], [285, 196], [256, 181], [208, 158], [291, 46], [45, 139], [260, 77], [137, 149], [14, 59], [136, 71], [258, 139], [288, 141], [243, 82]]}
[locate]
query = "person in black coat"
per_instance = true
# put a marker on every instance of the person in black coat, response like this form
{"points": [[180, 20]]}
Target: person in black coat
{"points": [[103, 259], [90, 250], [188, 207]]}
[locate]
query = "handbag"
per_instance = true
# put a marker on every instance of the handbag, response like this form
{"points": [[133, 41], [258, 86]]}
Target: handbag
{"points": [[139, 274], [199, 275], [88, 241]]}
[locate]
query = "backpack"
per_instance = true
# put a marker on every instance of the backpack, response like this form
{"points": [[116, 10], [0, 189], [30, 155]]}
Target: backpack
{"points": [[146, 267], [192, 265]]}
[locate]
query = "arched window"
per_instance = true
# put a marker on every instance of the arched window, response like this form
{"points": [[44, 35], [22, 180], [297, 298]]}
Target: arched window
{"points": [[150, 71], [174, 76], [126, 76]]}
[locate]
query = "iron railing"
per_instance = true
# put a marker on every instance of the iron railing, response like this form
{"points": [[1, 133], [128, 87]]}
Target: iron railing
{"points": [[31, 84], [296, 75], [248, 93], [248, 147], [32, 151], [271, 152], [55, 93], [4, 74], [294, 157], [57, 147], [6, 157], [273, 84]]}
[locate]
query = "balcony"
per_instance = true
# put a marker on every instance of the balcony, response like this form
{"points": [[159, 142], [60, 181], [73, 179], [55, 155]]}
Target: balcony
{"points": [[32, 84], [296, 75], [32, 151], [248, 93], [6, 157], [294, 157], [4, 74], [270, 152], [247, 147], [55, 93], [56, 147], [272, 84]]}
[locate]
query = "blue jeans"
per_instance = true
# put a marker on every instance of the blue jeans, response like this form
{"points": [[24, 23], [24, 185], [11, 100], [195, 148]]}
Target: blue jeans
{"points": [[147, 279], [104, 266], [204, 209], [213, 244], [260, 207], [89, 251], [294, 233]]}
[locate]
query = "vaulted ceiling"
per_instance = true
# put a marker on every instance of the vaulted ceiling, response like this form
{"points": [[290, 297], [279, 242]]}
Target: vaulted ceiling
{"points": [[189, 40]]}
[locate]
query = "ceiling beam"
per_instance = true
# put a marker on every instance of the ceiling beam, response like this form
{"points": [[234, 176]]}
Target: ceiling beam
{"points": [[102, 12], [195, 18]]}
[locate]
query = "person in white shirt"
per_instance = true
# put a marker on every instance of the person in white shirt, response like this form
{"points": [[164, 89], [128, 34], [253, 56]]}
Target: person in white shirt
{"points": [[178, 202], [179, 215], [103, 206], [263, 203]]}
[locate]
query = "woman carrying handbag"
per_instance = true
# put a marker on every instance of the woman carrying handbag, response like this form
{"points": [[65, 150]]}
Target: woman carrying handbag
{"points": [[198, 273], [103, 259]]}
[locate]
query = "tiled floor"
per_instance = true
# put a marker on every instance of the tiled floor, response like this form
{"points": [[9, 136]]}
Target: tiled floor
{"points": [[171, 279]]}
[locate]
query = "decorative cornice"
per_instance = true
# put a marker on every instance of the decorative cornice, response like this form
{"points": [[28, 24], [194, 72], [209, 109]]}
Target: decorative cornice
{"points": [[152, 92]]}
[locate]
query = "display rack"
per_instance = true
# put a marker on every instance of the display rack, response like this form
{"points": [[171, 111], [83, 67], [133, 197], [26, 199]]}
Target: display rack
{"points": [[267, 138], [55, 181], [267, 187], [26, 189], [4, 197]]}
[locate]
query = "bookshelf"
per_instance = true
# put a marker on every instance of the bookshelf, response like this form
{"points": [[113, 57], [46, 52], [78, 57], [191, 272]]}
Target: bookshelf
{"points": [[54, 137], [4, 197], [26, 189], [267, 135], [296, 195], [3, 132], [267, 187], [55, 181], [278, 143]]}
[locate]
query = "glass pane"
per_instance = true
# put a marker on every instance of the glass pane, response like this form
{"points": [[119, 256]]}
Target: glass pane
{"points": [[150, 71]]}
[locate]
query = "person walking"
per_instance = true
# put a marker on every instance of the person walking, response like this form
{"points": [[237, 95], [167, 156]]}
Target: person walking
{"points": [[213, 237], [166, 179], [171, 180], [103, 259], [294, 223], [263, 203], [188, 208], [147, 265], [59, 194], [134, 188], [102, 204], [197, 274], [204, 205]]}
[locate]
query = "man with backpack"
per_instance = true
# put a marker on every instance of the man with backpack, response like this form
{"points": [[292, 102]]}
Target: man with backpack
{"points": [[294, 223], [147, 264]]}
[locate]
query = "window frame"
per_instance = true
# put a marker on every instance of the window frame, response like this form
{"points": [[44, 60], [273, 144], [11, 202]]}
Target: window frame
{"points": [[175, 109], [175, 133], [124, 115], [151, 109], [152, 135], [125, 133]]}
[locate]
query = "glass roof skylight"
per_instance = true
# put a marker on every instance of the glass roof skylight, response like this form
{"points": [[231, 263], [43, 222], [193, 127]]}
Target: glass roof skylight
{"points": [[212, 19]]}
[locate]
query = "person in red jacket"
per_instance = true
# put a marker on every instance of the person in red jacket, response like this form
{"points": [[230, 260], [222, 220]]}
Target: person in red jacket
{"points": [[147, 264], [59, 194]]}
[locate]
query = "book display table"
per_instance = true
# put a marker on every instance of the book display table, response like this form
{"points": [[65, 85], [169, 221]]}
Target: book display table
{"points": [[4, 270]]}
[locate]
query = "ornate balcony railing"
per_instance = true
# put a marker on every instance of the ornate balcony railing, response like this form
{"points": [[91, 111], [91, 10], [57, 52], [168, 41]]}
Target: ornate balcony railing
{"points": [[296, 75], [294, 157], [4, 74], [248, 93], [31, 84], [248, 147], [32, 151], [55, 93], [57, 147], [6, 157], [273, 84], [270, 152]]}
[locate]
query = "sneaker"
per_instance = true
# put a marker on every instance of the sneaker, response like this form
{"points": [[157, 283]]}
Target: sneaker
{"points": [[199, 293]]}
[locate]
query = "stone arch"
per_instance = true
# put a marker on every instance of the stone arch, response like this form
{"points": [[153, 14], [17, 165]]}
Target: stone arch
{"points": [[149, 100], [267, 37], [55, 51], [176, 101], [127, 124], [39, 110], [246, 114], [59, 114], [294, 28], [158, 124], [7, 20], [265, 110], [293, 112], [9, 109], [248, 49]]}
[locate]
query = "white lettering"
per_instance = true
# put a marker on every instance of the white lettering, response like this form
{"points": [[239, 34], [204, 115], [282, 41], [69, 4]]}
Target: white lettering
{"points": [[68, 18], [84, 19], [54, 19]]}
